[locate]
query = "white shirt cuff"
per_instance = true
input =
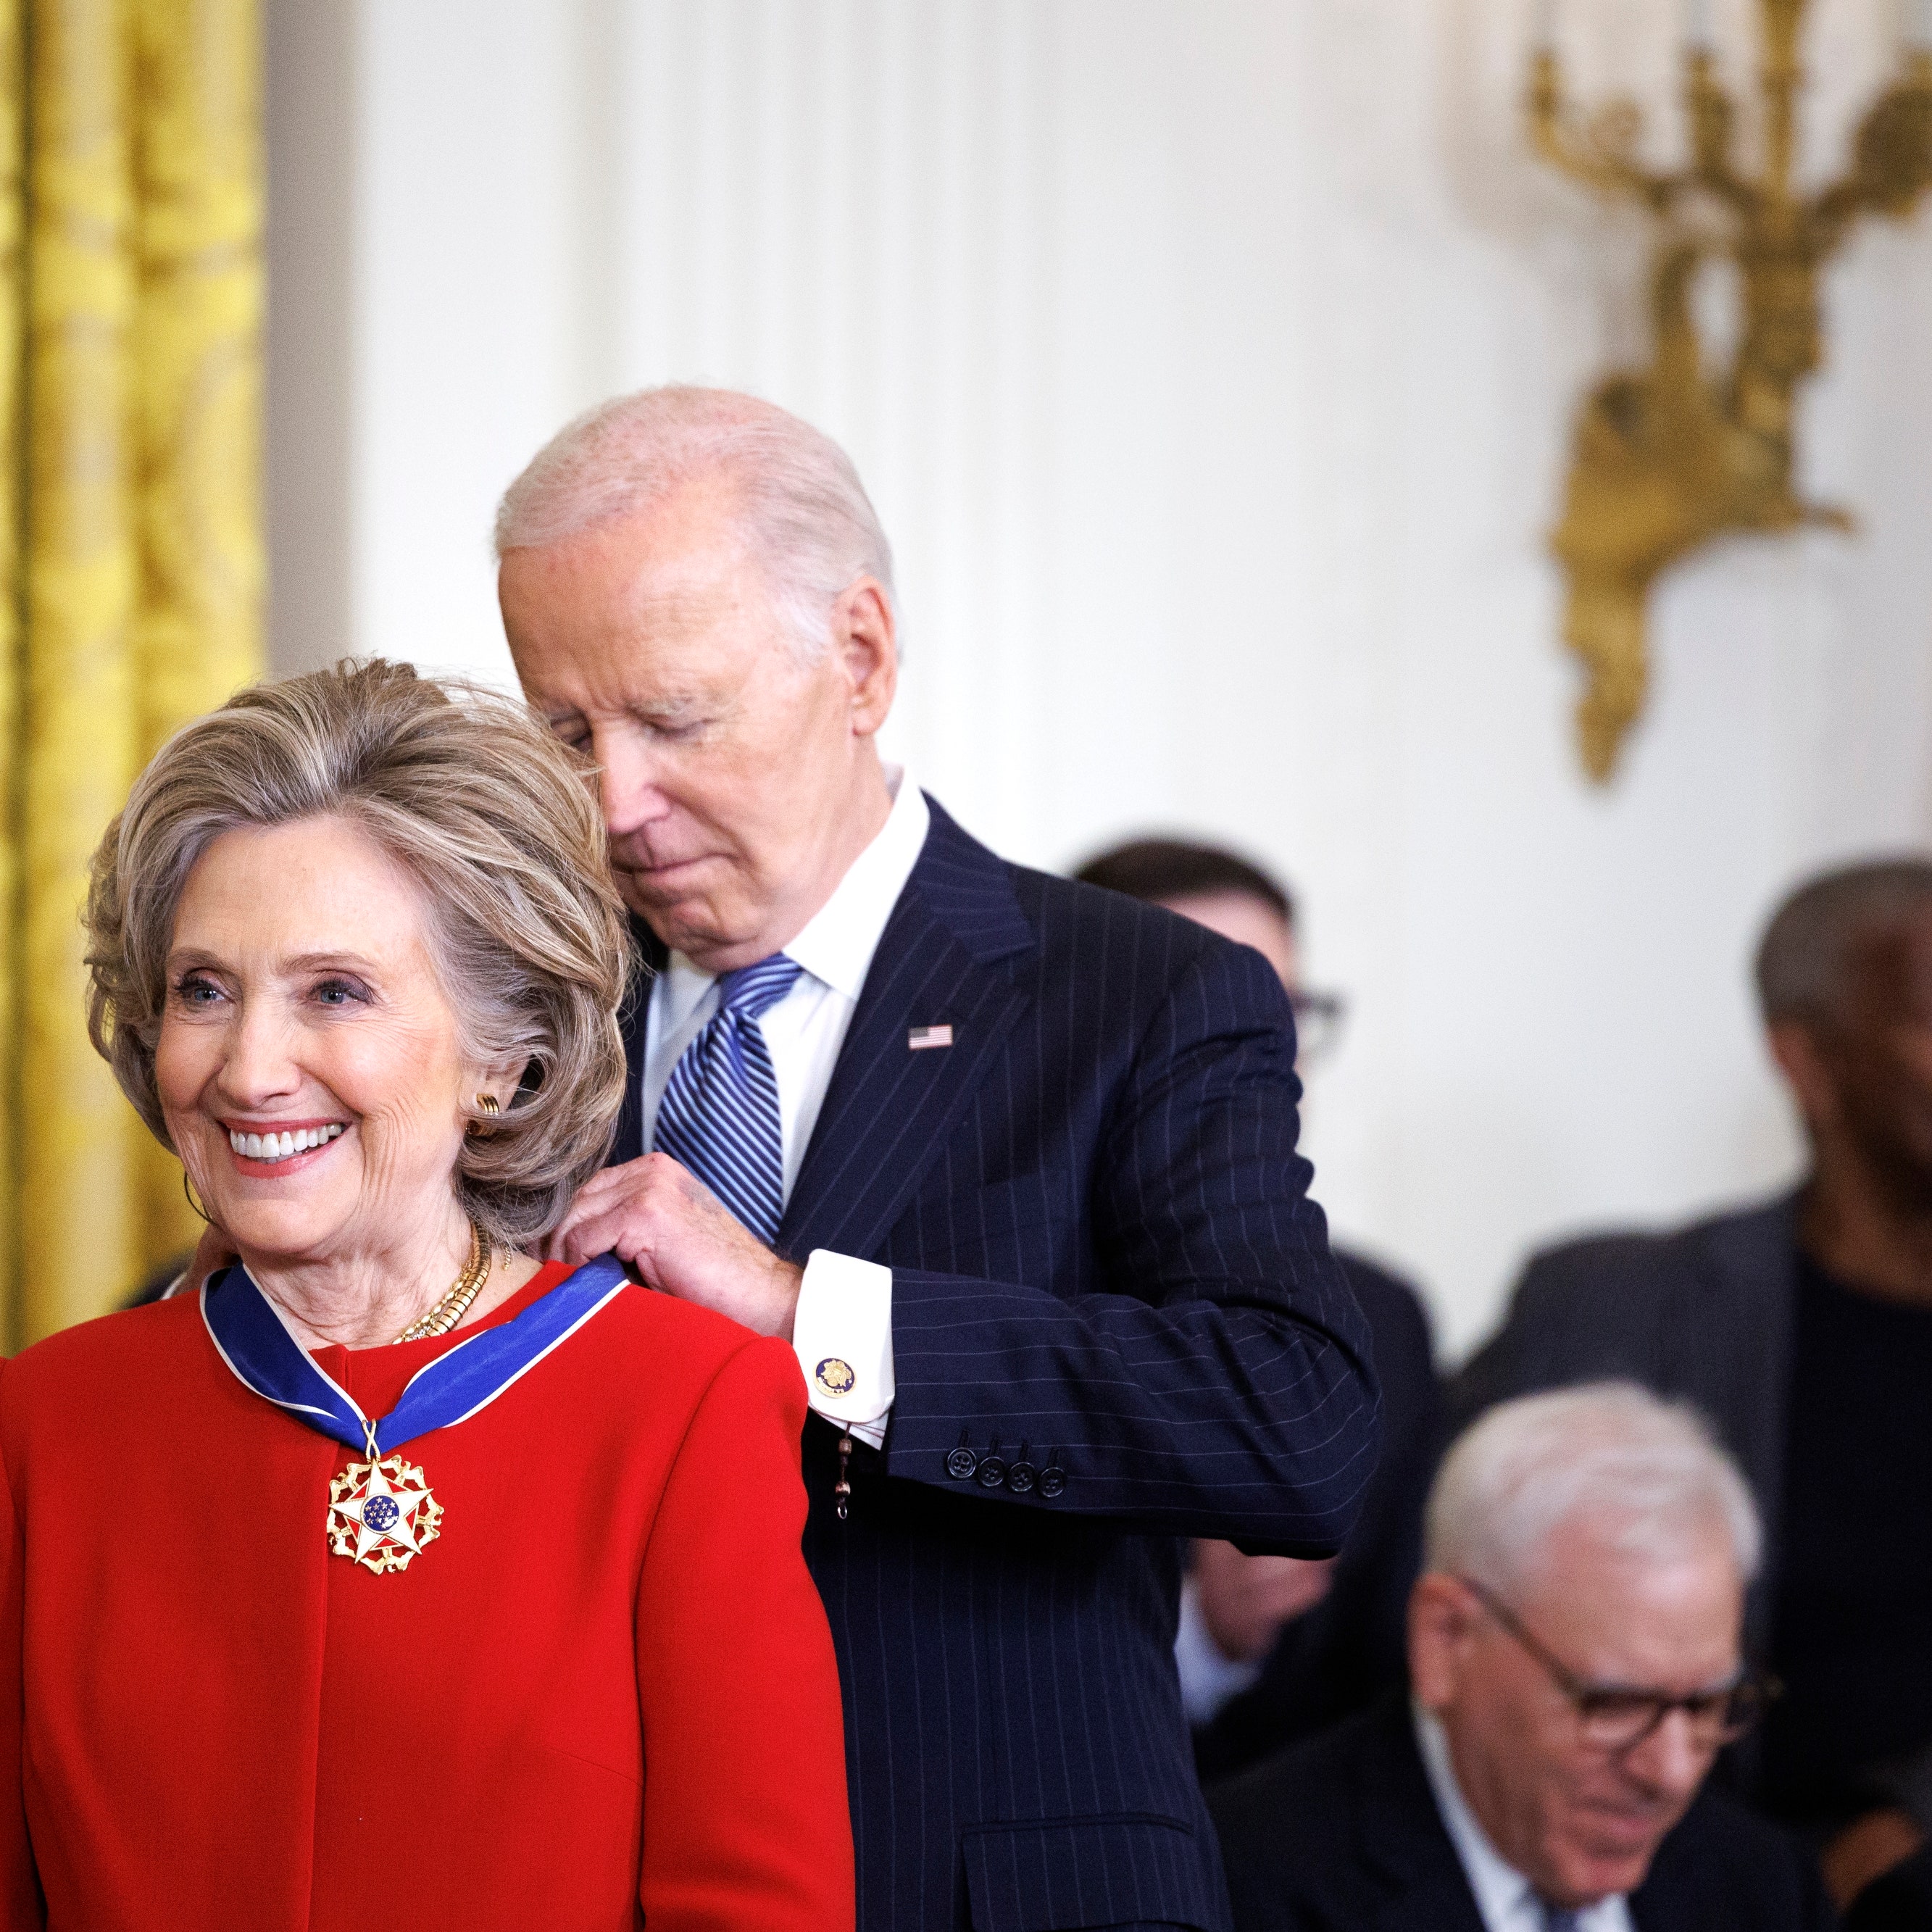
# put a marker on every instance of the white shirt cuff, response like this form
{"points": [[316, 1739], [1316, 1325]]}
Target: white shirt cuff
{"points": [[843, 1335]]}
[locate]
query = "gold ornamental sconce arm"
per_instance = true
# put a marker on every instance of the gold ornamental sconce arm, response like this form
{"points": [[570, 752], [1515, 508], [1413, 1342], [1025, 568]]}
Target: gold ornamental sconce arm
{"points": [[1666, 457]]}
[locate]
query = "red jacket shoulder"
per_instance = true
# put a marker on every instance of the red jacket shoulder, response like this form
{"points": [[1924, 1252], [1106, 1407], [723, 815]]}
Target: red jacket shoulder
{"points": [[155, 1339], [689, 1347], [62, 1389]]}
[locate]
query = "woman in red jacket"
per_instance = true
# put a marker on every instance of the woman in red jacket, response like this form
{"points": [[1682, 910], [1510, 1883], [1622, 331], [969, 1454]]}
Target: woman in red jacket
{"points": [[397, 1579]]}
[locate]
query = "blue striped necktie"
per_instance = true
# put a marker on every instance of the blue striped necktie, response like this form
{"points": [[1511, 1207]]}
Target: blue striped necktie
{"points": [[719, 1115], [1558, 1917]]}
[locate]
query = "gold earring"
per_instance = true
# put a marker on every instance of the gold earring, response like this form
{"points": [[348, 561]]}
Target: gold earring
{"points": [[487, 1104]]}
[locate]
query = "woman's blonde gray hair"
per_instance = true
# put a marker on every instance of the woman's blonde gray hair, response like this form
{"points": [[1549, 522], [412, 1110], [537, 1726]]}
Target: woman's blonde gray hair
{"points": [[497, 824]]}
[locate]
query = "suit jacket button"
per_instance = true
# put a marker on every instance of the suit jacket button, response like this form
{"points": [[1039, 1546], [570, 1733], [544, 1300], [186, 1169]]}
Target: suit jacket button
{"points": [[961, 1464], [1052, 1480], [992, 1472], [1021, 1477]]}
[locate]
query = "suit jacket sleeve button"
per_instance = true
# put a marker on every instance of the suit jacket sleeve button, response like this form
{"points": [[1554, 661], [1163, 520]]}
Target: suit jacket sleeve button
{"points": [[992, 1472], [1052, 1480], [1021, 1477], [961, 1464]]}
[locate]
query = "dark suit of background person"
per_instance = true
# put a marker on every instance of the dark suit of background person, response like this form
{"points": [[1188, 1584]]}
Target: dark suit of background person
{"points": [[1341, 1654], [1059, 1126], [1341, 1834], [1900, 1901], [1803, 1328]]}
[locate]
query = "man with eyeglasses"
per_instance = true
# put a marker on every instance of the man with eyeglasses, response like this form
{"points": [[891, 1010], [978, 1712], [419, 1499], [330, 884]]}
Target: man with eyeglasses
{"points": [[1272, 1649], [1802, 1327], [1574, 1646]]}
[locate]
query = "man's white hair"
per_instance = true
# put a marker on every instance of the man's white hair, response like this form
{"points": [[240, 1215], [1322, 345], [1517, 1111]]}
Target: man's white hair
{"points": [[1646, 1476], [800, 507]]}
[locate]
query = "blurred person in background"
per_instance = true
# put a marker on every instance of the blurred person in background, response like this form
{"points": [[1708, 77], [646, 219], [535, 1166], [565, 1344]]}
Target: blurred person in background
{"points": [[1803, 1327], [1273, 1647], [1574, 1650]]}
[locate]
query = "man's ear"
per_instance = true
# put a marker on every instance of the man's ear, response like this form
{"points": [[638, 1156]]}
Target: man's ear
{"points": [[1807, 1070], [866, 640], [1442, 1616]]}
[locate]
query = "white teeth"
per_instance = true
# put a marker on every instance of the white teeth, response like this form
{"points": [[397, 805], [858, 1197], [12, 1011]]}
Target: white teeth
{"points": [[280, 1147]]}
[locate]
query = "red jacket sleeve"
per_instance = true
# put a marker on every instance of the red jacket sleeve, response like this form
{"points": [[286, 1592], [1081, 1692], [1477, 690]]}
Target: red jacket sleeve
{"points": [[746, 1824], [20, 1903]]}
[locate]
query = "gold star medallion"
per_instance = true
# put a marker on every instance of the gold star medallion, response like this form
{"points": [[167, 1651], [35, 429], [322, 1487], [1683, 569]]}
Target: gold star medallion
{"points": [[381, 1514]]}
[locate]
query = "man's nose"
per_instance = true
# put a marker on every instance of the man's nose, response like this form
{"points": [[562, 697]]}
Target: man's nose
{"points": [[1671, 1761], [627, 786]]}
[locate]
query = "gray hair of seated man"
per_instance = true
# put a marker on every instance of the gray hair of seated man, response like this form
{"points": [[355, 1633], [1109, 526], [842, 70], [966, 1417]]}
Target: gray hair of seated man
{"points": [[1647, 1476], [794, 494]]}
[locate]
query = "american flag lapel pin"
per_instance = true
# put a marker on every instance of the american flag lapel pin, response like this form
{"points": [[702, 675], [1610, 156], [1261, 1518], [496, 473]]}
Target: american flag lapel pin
{"points": [[919, 1038]]}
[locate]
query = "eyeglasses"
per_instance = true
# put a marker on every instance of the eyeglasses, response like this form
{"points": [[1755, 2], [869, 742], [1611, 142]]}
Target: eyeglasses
{"points": [[1618, 1717], [1318, 1020]]}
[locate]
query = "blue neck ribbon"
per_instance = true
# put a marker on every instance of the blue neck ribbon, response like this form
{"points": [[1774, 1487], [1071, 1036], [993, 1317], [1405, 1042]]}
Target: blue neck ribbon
{"points": [[251, 1335]]}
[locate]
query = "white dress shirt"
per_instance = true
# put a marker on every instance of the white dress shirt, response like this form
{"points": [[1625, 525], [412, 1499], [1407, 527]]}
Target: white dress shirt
{"points": [[845, 1313], [1506, 1901], [1208, 1678]]}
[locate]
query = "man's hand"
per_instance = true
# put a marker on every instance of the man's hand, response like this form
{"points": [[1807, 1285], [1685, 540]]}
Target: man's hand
{"points": [[1246, 1600], [676, 1235], [1866, 1850]]}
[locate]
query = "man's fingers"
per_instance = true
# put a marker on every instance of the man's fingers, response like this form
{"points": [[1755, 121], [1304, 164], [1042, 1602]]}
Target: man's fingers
{"points": [[653, 1170], [618, 1231], [609, 1180]]}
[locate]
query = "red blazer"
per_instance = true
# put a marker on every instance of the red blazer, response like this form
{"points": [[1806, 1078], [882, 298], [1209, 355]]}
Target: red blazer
{"points": [[606, 1690]]}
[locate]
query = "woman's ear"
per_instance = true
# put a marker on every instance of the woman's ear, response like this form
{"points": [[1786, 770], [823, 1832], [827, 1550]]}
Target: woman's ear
{"points": [[489, 1095]]}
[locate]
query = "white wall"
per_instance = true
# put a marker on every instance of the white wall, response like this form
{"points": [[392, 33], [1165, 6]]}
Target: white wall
{"points": [[1210, 361]]}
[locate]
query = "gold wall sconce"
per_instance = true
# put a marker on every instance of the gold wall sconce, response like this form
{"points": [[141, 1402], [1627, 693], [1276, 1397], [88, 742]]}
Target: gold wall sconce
{"points": [[1667, 457]]}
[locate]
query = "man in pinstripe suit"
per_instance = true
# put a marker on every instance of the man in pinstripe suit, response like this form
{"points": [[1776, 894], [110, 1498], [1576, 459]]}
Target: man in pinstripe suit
{"points": [[1011, 1161]]}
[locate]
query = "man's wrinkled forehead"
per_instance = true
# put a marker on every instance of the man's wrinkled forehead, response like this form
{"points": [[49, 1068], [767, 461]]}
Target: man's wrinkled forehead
{"points": [[612, 631]]}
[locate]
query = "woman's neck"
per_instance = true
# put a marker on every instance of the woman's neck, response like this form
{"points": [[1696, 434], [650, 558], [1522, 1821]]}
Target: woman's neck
{"points": [[364, 1299]]}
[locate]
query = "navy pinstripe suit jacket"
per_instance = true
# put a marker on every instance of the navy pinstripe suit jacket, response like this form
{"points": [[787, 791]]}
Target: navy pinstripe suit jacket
{"points": [[1115, 1321]]}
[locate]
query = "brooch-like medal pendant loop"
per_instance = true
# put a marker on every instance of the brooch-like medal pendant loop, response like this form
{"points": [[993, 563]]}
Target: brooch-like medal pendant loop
{"points": [[381, 1514]]}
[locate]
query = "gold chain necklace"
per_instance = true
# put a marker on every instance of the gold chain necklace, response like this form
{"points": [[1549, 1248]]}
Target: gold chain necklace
{"points": [[453, 1305]]}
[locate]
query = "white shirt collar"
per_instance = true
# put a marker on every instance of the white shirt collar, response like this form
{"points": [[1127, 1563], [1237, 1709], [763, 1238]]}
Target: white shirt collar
{"points": [[1505, 1898], [836, 944]]}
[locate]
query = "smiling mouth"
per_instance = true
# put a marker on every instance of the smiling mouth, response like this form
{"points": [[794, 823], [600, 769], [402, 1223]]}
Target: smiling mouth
{"points": [[270, 1147]]}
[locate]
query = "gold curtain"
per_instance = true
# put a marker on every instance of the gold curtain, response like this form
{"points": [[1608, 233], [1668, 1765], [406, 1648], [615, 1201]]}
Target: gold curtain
{"points": [[130, 223]]}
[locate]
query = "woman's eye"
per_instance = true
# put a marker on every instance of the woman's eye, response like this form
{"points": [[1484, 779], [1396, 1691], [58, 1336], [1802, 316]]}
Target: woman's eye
{"points": [[194, 990], [338, 993]]}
